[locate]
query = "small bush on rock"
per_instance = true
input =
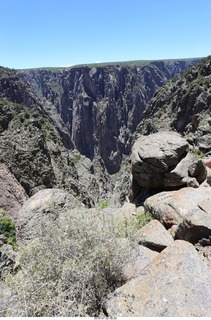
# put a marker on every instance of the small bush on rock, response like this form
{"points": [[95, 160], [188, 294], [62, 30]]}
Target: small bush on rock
{"points": [[128, 227], [7, 228], [69, 271]]}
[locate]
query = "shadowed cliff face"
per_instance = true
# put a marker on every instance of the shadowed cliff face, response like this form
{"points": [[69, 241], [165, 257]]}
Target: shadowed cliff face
{"points": [[100, 107]]}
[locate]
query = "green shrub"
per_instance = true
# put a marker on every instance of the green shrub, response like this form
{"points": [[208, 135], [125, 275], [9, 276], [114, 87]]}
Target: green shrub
{"points": [[198, 154], [76, 158], [104, 204], [69, 271], [7, 228], [129, 226]]}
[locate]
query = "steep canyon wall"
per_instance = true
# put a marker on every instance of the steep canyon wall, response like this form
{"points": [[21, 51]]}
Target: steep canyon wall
{"points": [[98, 108]]}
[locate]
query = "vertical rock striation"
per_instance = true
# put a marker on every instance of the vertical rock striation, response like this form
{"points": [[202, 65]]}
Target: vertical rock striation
{"points": [[101, 106]]}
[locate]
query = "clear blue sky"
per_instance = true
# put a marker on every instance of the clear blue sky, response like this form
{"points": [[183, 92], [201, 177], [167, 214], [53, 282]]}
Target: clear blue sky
{"points": [[42, 33]]}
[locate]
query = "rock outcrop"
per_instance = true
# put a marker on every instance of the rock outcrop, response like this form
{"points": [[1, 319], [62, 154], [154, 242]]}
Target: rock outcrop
{"points": [[154, 236], [188, 207], [176, 283], [162, 161], [183, 104], [12, 194]]}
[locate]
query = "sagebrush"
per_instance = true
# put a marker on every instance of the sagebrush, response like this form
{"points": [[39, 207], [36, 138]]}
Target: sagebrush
{"points": [[69, 270]]}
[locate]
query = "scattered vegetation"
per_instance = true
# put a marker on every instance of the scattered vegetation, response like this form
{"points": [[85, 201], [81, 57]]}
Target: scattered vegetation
{"points": [[129, 226], [76, 158], [69, 271], [104, 204], [198, 154]]}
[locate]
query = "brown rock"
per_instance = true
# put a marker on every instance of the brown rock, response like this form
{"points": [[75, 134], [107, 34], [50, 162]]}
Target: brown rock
{"points": [[12, 195], [171, 207]]}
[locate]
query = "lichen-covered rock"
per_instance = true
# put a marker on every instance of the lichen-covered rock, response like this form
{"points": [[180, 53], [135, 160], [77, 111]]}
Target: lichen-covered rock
{"points": [[177, 283]]}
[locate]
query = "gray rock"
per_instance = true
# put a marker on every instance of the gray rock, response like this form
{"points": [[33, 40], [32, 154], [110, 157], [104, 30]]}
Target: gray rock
{"points": [[196, 225], [198, 170], [45, 204], [160, 160], [154, 156], [140, 259], [154, 236], [176, 284]]}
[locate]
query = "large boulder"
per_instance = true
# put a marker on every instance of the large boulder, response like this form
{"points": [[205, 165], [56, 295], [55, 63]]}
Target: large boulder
{"points": [[45, 204], [161, 160], [187, 207], [176, 283], [155, 155]]}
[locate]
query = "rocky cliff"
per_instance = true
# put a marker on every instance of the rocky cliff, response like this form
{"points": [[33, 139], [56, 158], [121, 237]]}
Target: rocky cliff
{"points": [[183, 105], [70, 128], [101, 106]]}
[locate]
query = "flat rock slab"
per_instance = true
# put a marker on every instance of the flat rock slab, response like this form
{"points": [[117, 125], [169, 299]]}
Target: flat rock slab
{"points": [[176, 284], [154, 236], [171, 207]]}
